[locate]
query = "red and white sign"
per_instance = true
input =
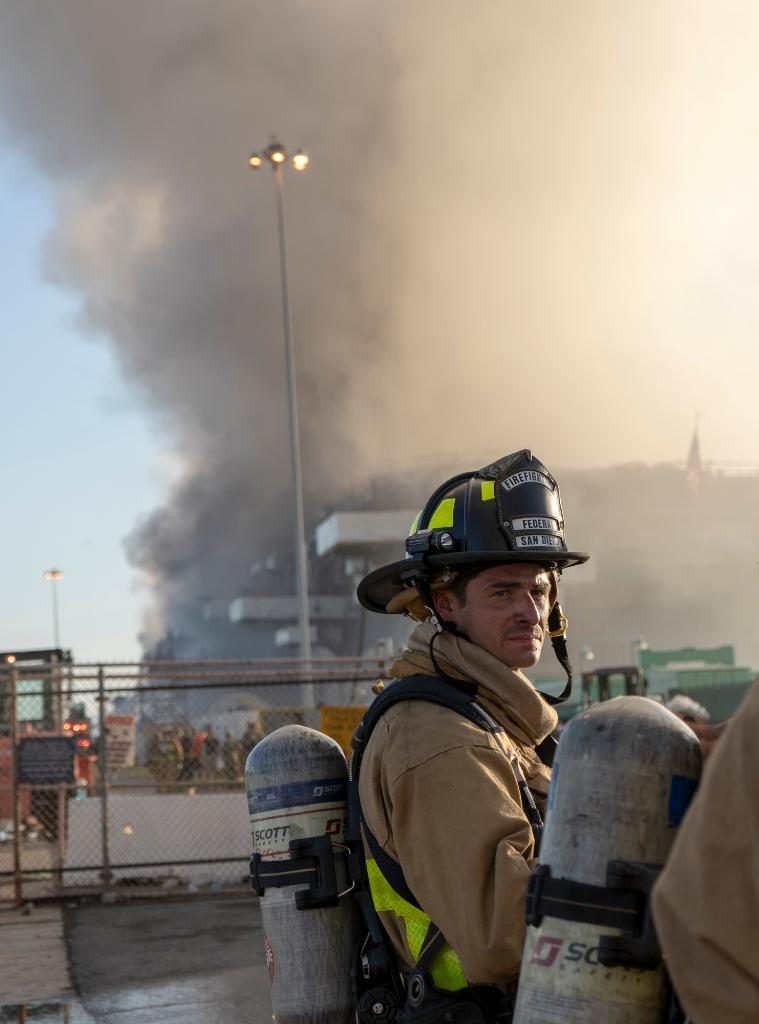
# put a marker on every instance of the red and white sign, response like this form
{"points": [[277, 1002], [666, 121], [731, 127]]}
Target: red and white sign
{"points": [[120, 739]]}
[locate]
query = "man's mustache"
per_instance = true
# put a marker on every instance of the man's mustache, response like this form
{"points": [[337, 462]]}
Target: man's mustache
{"points": [[535, 632]]}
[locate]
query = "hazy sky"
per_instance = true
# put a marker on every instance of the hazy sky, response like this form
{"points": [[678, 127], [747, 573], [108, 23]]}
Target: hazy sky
{"points": [[526, 224], [80, 461]]}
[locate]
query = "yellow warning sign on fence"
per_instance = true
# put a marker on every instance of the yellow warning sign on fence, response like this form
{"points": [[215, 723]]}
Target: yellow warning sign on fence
{"points": [[340, 722]]}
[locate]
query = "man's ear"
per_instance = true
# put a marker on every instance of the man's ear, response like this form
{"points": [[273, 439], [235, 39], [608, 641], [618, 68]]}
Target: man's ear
{"points": [[445, 604]]}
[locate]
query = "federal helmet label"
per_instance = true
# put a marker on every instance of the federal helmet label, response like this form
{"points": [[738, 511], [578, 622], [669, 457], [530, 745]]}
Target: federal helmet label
{"points": [[530, 523]]}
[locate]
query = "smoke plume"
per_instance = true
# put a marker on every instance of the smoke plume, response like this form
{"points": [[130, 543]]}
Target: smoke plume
{"points": [[524, 225]]}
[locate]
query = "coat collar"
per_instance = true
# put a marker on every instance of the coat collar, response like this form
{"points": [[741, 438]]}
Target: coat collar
{"points": [[505, 692]]}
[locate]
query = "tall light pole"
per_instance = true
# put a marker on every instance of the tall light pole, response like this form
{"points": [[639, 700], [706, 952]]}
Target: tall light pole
{"points": [[53, 575], [276, 154]]}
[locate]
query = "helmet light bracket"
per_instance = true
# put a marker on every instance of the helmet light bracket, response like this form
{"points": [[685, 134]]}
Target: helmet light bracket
{"points": [[429, 542]]}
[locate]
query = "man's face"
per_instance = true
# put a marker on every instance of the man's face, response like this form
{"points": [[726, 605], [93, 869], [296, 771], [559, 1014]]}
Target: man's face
{"points": [[505, 611]]}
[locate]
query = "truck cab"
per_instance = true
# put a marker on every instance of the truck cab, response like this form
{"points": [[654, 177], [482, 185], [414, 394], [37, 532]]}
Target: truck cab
{"points": [[605, 683]]}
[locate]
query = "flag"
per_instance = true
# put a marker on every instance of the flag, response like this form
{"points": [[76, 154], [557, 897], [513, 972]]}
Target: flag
{"points": [[693, 466]]}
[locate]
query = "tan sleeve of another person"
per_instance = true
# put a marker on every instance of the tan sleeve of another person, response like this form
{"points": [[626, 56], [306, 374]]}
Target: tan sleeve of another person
{"points": [[706, 901]]}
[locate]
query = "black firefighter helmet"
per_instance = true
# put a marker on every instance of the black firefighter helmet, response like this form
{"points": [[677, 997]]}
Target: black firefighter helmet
{"points": [[509, 511]]}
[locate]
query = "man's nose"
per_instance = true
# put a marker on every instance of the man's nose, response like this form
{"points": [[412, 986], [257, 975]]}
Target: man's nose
{"points": [[527, 609]]}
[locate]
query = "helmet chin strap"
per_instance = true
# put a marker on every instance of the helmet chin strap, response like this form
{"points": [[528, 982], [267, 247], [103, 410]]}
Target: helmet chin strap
{"points": [[557, 630], [423, 585]]}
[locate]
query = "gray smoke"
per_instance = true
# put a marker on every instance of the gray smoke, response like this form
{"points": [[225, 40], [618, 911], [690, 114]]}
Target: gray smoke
{"points": [[524, 225], [144, 114]]}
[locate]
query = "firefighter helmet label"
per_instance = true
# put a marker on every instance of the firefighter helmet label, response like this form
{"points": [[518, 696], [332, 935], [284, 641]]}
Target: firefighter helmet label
{"points": [[526, 476], [535, 523], [537, 540]]}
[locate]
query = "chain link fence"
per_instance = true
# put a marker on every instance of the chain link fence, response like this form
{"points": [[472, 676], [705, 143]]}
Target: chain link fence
{"points": [[130, 777]]}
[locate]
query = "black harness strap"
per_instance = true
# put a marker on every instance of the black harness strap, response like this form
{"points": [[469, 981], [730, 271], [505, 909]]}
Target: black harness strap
{"points": [[434, 943], [546, 750], [623, 903], [458, 696], [529, 806], [578, 901], [278, 873]]}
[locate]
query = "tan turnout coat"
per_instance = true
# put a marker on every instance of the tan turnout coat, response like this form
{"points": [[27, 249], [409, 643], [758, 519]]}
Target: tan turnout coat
{"points": [[706, 901], [441, 796]]}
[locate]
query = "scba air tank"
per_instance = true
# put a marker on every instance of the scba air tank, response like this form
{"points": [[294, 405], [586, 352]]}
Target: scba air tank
{"points": [[296, 781], [623, 775]]}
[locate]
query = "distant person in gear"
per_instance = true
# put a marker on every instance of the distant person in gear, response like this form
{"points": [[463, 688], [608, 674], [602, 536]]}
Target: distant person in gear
{"points": [[454, 805], [697, 717]]}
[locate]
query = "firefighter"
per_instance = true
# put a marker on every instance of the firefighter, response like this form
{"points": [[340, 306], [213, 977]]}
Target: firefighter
{"points": [[451, 804], [706, 901]]}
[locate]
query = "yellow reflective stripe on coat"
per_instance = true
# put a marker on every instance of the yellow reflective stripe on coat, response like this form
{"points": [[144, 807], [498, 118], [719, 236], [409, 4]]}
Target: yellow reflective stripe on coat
{"points": [[446, 968]]}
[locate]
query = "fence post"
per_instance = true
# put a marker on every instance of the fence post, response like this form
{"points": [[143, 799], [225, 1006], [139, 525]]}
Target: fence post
{"points": [[15, 792], [105, 874], [56, 686]]}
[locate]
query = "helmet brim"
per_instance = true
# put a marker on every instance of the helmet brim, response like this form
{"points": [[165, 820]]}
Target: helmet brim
{"points": [[377, 588]]}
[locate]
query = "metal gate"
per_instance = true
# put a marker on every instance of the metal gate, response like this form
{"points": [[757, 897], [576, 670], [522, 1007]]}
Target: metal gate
{"points": [[129, 778]]}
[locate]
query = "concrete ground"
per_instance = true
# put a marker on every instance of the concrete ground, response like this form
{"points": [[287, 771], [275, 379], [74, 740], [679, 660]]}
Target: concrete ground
{"points": [[33, 958], [157, 962]]}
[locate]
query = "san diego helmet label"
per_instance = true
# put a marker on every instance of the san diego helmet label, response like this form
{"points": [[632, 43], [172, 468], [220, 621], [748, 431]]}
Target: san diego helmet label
{"points": [[537, 540]]}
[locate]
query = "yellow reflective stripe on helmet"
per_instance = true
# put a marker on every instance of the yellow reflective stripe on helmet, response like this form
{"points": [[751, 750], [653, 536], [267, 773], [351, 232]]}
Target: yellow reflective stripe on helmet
{"points": [[487, 489], [446, 968], [442, 517], [415, 522]]}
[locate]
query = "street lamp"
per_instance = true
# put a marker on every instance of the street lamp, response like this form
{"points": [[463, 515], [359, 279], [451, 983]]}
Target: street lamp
{"points": [[588, 655], [53, 575], [276, 154]]}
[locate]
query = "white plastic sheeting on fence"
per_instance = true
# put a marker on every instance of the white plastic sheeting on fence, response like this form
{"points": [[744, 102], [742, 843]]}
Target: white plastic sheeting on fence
{"points": [[160, 828]]}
